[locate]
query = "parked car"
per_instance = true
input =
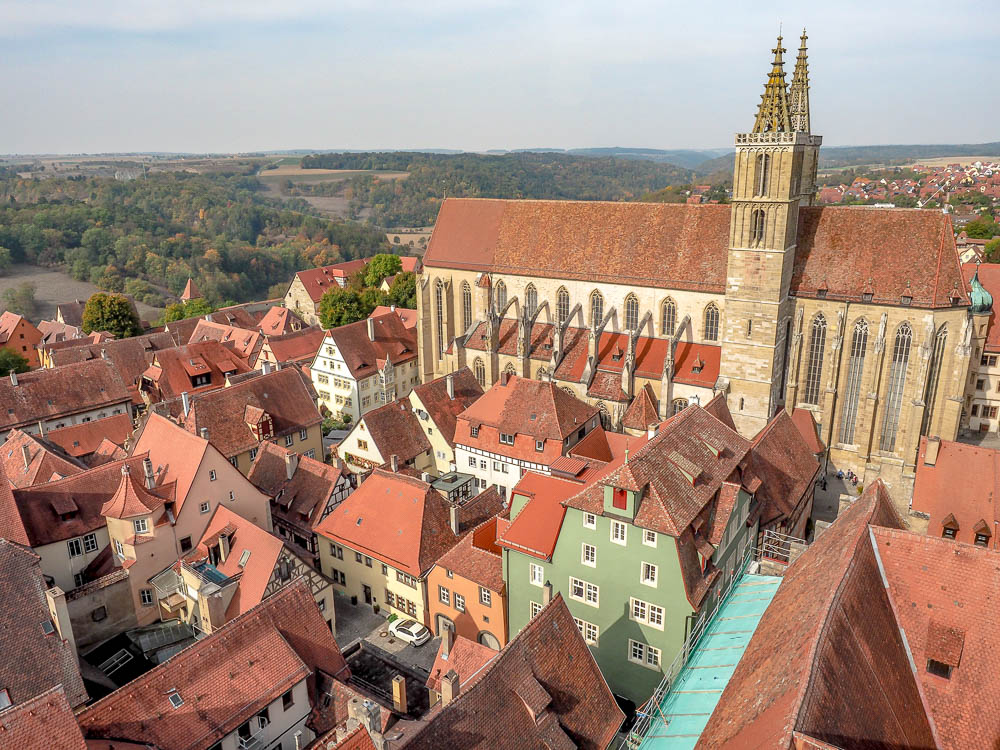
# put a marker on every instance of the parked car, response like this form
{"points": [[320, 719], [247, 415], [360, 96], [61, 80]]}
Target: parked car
{"points": [[410, 631]]}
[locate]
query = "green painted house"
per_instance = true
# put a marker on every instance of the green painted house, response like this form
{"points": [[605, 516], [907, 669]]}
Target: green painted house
{"points": [[639, 545]]}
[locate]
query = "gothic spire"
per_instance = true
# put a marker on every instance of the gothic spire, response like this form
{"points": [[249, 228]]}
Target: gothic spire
{"points": [[772, 115], [798, 92]]}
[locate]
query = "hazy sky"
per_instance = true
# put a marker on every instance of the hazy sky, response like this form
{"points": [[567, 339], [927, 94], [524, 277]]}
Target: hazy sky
{"points": [[240, 75]]}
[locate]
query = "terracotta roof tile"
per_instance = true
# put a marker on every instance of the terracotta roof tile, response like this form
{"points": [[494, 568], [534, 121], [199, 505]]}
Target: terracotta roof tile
{"points": [[303, 497], [44, 460], [642, 412], [33, 661], [477, 557], [550, 652], [408, 316], [176, 454], [784, 462], [278, 321], [466, 657], [395, 430], [173, 370], [535, 529], [444, 410], [190, 291], [47, 715], [317, 281], [393, 342], [83, 439], [298, 346], [245, 343], [131, 498], [131, 356]]}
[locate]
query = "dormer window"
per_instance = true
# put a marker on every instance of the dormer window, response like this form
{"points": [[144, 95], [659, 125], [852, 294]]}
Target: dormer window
{"points": [[982, 540], [867, 297], [141, 525], [906, 299], [506, 438], [939, 669], [949, 532]]}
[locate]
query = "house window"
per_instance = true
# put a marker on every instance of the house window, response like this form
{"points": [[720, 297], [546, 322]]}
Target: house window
{"points": [[368, 561], [287, 700], [758, 223], [506, 438], [631, 313], [536, 574], [589, 521], [641, 653], [211, 475], [588, 630], [588, 555], [535, 608], [474, 432], [711, 323], [648, 574], [337, 551], [362, 445], [253, 453], [185, 544], [472, 461], [146, 597], [539, 445], [668, 317], [649, 538], [619, 499], [444, 595], [949, 533], [584, 591], [975, 410], [646, 613], [119, 548], [459, 602], [357, 557], [75, 547], [619, 532], [982, 540], [485, 597], [79, 579], [303, 434], [385, 569], [980, 384], [940, 669], [204, 507], [141, 525], [763, 173]]}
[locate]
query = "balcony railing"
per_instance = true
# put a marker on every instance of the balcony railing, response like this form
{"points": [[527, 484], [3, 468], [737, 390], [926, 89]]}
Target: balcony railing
{"points": [[256, 739]]}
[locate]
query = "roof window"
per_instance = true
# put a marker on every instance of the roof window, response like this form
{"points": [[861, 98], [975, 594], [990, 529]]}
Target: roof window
{"points": [[906, 299], [939, 669], [866, 297], [5, 700], [175, 700], [244, 558], [47, 627]]}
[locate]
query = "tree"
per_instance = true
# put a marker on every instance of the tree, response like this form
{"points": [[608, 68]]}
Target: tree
{"points": [[193, 308], [403, 292], [112, 313], [20, 299], [6, 259], [380, 266], [982, 229], [991, 251], [338, 307], [11, 361]]}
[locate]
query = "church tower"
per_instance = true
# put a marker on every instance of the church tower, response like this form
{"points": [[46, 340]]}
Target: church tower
{"points": [[775, 173]]}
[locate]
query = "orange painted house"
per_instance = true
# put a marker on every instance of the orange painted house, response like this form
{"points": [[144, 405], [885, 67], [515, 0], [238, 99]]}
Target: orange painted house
{"points": [[18, 334], [466, 590]]}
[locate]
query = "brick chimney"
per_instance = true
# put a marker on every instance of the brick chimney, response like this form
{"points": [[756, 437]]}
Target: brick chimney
{"points": [[186, 402], [399, 694], [147, 473], [291, 464], [26, 455], [449, 687], [371, 329], [931, 454], [449, 382], [447, 641]]}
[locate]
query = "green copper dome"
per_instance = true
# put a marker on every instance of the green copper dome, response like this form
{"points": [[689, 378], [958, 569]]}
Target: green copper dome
{"points": [[982, 301]]}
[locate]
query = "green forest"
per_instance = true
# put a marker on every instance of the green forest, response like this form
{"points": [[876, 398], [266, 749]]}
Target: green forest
{"points": [[414, 201], [145, 237]]}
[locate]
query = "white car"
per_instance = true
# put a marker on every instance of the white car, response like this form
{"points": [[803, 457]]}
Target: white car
{"points": [[410, 631]]}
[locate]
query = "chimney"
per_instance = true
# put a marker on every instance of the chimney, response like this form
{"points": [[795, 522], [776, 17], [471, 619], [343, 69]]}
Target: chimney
{"points": [[291, 464], [266, 367], [546, 593], [399, 694], [186, 402], [651, 430], [504, 377], [392, 308], [104, 353], [449, 687], [41, 427], [453, 517], [26, 455], [931, 454], [447, 641], [425, 477], [147, 473], [55, 597], [449, 381], [13, 378], [371, 329], [394, 462], [204, 433]]}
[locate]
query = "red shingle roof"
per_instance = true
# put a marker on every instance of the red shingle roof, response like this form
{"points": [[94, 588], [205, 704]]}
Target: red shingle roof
{"points": [[318, 281], [190, 291], [686, 246], [85, 438], [300, 346], [467, 658], [245, 343], [278, 321], [395, 430], [477, 557], [131, 498], [393, 342], [44, 460], [535, 529], [32, 662], [395, 518], [173, 369], [443, 410], [642, 412], [305, 495], [131, 356], [46, 718], [569, 704], [786, 465], [408, 316]]}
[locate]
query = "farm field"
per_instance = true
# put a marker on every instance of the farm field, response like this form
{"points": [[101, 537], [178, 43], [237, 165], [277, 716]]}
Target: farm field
{"points": [[274, 180], [53, 287], [944, 161]]}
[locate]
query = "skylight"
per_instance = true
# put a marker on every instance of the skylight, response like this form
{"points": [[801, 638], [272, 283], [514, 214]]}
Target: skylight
{"points": [[175, 700], [244, 557]]}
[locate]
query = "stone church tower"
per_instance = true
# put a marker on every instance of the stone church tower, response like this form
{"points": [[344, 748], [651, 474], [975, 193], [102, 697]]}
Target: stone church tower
{"points": [[775, 173]]}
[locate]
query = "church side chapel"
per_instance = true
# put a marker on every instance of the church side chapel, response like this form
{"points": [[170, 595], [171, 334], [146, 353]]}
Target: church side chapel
{"points": [[859, 315]]}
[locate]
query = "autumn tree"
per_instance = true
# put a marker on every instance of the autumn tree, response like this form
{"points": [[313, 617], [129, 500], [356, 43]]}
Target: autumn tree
{"points": [[113, 313], [11, 361], [338, 307], [193, 308], [379, 267]]}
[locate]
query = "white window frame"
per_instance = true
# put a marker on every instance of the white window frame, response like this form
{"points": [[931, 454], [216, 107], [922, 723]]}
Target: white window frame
{"points": [[591, 633], [205, 507], [534, 608], [89, 543], [119, 549], [615, 526], [591, 559], [646, 613], [485, 597], [591, 593], [649, 537], [211, 475], [459, 602], [589, 521], [644, 655], [146, 597], [140, 525], [75, 547], [646, 568], [536, 574], [444, 595]]}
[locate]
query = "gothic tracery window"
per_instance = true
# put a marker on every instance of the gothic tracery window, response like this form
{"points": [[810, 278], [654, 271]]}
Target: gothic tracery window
{"points": [[852, 393], [500, 295], [530, 299], [930, 395], [439, 315], [758, 224], [596, 308], [562, 305], [711, 332], [480, 371], [668, 317], [466, 306], [814, 365], [631, 313], [897, 382]]}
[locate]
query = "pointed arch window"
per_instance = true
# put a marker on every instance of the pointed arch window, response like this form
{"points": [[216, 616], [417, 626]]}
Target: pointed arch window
{"points": [[631, 313], [596, 308], [852, 393], [605, 415], [762, 174], [509, 369], [930, 394], [500, 295], [530, 299], [814, 366], [711, 323], [479, 369], [897, 381], [758, 224], [668, 317], [562, 305], [542, 373], [466, 305], [679, 404], [439, 315]]}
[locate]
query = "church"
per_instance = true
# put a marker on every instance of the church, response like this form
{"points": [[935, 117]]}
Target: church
{"points": [[859, 315]]}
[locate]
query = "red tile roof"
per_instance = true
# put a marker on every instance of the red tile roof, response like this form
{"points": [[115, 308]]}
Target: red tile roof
{"points": [[963, 485], [685, 246], [245, 343], [786, 465], [477, 557], [44, 462], [300, 346], [131, 498], [190, 291], [444, 410], [398, 519], [535, 529], [176, 454], [172, 370], [131, 356], [281, 394], [84, 438], [393, 342], [224, 678], [303, 497], [945, 596], [642, 412], [32, 662], [806, 423], [11, 525], [827, 645], [61, 391], [278, 321], [409, 317], [542, 691], [317, 281], [9, 322], [394, 430], [47, 715], [467, 658]]}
